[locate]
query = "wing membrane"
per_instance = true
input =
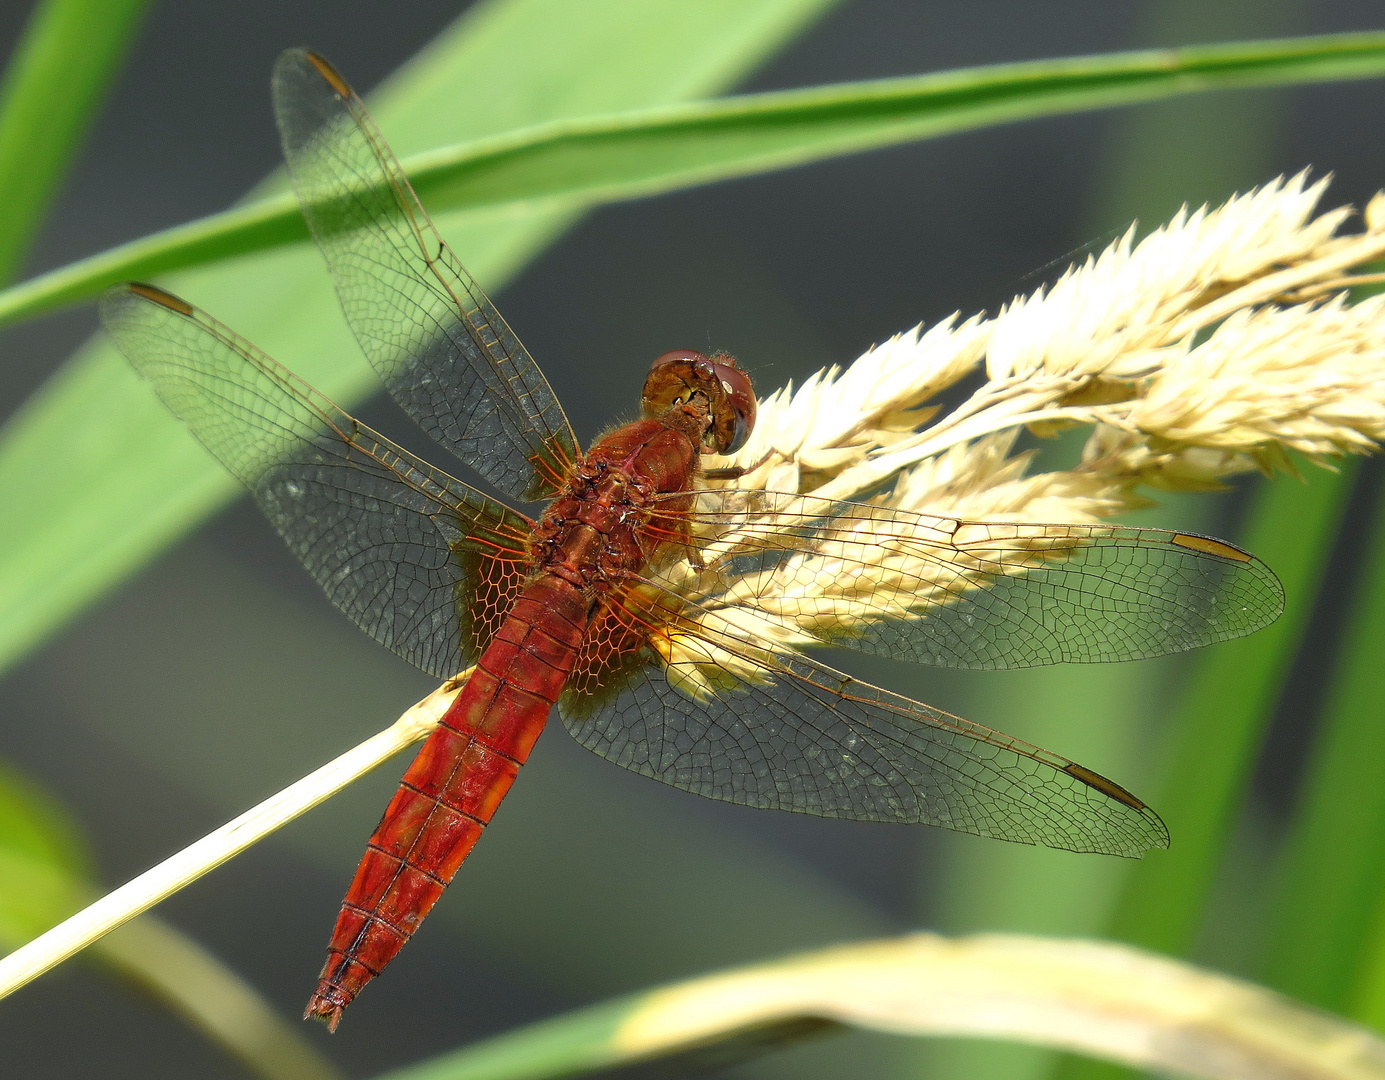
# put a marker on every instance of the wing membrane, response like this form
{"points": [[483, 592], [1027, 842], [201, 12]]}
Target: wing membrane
{"points": [[724, 720], [964, 594], [399, 546], [444, 352]]}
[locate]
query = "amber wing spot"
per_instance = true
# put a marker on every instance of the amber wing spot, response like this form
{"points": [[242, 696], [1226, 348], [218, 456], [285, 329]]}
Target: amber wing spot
{"points": [[1208, 546], [333, 78], [611, 652], [497, 575], [156, 295], [1107, 787]]}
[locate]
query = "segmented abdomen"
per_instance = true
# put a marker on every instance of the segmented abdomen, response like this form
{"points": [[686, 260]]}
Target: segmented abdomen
{"points": [[452, 789]]}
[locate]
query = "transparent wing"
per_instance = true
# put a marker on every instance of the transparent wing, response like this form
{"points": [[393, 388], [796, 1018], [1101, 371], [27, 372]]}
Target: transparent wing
{"points": [[961, 594], [724, 719], [421, 562], [442, 349]]}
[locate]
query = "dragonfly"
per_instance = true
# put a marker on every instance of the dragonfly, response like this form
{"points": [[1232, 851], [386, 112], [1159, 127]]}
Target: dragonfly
{"points": [[666, 618]]}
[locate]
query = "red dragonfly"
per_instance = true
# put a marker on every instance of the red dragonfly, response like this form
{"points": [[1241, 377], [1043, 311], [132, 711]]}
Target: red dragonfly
{"points": [[642, 603]]}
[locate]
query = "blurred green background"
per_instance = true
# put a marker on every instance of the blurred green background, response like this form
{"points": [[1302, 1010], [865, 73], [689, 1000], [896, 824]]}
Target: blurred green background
{"points": [[219, 674]]}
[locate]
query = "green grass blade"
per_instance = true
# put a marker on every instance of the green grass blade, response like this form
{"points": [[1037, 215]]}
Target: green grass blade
{"points": [[660, 150], [1332, 875], [261, 226], [1217, 730], [36, 834], [50, 91], [1100, 716], [575, 163], [93, 455], [1366, 999]]}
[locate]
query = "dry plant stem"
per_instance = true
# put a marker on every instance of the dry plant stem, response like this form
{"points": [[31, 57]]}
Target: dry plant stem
{"points": [[1333, 285], [1097, 998], [139, 894]]}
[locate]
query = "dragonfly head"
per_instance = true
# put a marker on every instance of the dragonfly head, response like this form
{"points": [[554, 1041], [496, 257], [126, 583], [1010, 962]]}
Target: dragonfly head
{"points": [[712, 387]]}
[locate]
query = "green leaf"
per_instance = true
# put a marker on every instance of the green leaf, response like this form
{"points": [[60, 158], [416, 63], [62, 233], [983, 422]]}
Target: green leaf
{"points": [[94, 456], [1218, 727], [51, 89], [1227, 706], [1329, 896], [43, 860], [576, 163], [35, 826], [193, 983]]}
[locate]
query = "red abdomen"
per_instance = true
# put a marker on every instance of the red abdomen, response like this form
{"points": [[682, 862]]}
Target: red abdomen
{"points": [[452, 788]]}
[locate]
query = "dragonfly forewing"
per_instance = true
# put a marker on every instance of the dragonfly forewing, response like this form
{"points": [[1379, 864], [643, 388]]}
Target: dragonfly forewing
{"points": [[966, 594], [444, 352]]}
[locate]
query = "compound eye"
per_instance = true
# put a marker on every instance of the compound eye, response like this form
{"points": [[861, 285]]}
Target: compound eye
{"points": [[669, 379], [675, 356], [735, 417], [686, 375]]}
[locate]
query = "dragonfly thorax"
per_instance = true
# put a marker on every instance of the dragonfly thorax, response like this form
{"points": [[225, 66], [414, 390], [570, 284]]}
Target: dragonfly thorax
{"points": [[591, 533]]}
